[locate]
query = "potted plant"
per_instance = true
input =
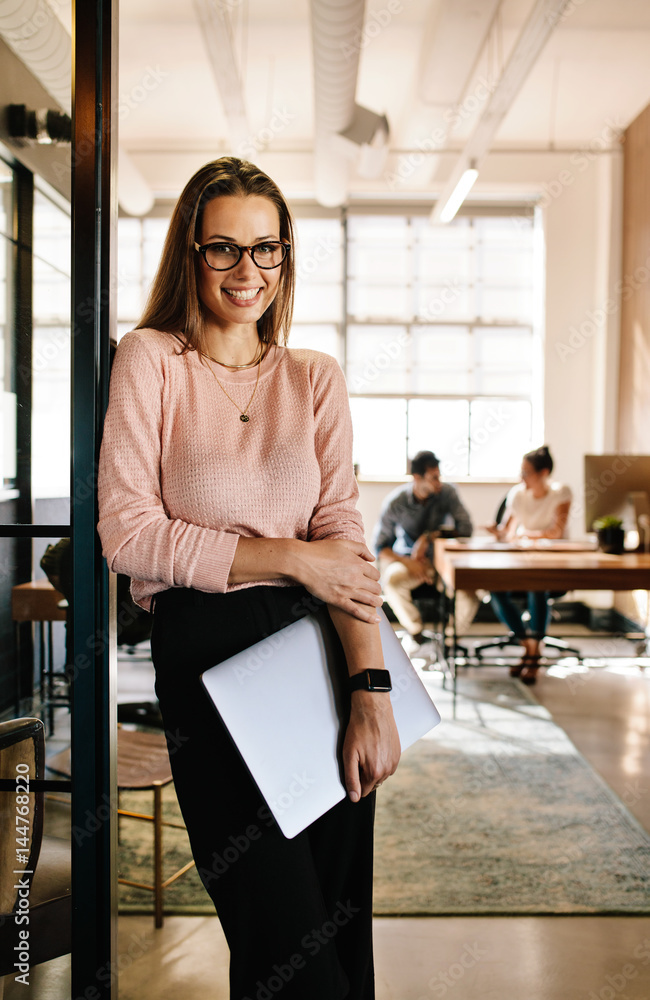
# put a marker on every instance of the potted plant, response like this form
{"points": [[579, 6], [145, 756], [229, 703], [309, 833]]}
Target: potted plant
{"points": [[611, 536]]}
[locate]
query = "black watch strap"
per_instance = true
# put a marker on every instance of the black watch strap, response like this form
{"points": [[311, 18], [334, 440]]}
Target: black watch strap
{"points": [[371, 680]]}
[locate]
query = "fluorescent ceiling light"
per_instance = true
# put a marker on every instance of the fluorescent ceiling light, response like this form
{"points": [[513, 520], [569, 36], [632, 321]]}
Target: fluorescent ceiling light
{"points": [[543, 18], [458, 195]]}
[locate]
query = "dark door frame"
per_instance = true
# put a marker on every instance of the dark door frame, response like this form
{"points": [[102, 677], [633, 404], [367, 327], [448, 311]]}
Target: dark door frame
{"points": [[94, 217]]}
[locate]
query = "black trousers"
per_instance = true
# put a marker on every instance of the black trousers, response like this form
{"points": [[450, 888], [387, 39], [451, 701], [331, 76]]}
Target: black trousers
{"points": [[297, 914]]}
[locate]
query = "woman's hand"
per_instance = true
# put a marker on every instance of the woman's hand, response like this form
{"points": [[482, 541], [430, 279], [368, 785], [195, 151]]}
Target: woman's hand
{"points": [[341, 573], [371, 749], [338, 571]]}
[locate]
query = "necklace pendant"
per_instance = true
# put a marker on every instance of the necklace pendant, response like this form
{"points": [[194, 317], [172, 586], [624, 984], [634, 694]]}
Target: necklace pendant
{"points": [[244, 418]]}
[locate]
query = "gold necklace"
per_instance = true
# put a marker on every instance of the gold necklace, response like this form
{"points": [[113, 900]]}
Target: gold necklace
{"points": [[250, 364], [243, 414]]}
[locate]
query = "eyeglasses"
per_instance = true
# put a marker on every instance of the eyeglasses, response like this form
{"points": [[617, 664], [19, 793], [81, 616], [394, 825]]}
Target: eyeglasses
{"points": [[224, 256]]}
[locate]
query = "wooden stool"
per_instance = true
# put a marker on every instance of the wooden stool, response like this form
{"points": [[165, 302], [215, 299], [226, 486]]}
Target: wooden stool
{"points": [[38, 602], [142, 763]]}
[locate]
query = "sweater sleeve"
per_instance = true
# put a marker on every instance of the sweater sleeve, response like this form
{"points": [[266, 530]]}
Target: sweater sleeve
{"points": [[138, 537], [335, 515]]}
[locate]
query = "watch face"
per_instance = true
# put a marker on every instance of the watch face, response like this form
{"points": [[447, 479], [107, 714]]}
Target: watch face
{"points": [[379, 680], [371, 680]]}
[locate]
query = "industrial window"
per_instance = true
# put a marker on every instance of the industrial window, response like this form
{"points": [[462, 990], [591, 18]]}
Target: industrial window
{"points": [[438, 332]]}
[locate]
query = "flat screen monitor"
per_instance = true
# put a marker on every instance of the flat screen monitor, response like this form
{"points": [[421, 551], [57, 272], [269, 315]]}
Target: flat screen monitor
{"points": [[617, 485]]}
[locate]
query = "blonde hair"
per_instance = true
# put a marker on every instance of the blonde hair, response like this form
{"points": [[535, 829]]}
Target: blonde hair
{"points": [[174, 305]]}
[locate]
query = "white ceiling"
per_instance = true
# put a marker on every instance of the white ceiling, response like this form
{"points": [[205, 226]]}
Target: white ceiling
{"points": [[591, 80]]}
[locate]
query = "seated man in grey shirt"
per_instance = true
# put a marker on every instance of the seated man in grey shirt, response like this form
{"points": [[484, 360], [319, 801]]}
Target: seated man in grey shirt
{"points": [[409, 518]]}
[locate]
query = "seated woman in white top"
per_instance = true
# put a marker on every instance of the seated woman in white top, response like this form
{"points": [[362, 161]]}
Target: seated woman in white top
{"points": [[536, 508]]}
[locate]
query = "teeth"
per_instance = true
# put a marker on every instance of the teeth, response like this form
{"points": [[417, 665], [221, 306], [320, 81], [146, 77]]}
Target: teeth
{"points": [[245, 293]]}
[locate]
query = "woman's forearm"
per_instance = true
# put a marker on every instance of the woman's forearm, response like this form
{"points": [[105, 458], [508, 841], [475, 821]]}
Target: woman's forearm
{"points": [[336, 570], [360, 640], [265, 559], [371, 749]]}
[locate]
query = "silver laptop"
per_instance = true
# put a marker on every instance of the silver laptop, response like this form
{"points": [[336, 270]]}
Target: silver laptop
{"points": [[283, 702]]}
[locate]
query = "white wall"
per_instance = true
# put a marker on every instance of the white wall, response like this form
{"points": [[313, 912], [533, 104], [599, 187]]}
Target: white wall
{"points": [[582, 266]]}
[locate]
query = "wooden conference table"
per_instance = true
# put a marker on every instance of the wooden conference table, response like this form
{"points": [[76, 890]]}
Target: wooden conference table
{"points": [[485, 564]]}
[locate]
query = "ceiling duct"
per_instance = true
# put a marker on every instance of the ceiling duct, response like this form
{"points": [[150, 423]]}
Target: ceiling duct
{"points": [[367, 136], [216, 29], [34, 32], [542, 20], [451, 48], [336, 27], [455, 35]]}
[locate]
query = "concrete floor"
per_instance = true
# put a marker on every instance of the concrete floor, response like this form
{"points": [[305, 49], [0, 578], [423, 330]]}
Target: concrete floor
{"points": [[467, 958], [606, 712]]}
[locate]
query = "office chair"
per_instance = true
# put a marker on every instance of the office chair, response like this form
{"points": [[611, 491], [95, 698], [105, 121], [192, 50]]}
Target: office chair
{"points": [[511, 639], [22, 751], [431, 603]]}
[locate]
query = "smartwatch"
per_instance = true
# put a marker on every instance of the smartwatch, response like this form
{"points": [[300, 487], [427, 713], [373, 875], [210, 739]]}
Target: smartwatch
{"points": [[371, 680]]}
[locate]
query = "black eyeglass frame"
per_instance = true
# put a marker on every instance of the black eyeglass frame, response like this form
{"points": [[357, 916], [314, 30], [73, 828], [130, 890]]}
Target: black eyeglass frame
{"points": [[251, 249]]}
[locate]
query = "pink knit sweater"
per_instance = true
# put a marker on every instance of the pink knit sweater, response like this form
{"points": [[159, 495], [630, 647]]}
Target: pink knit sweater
{"points": [[181, 477]]}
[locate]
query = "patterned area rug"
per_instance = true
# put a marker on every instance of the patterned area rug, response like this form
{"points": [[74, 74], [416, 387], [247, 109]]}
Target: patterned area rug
{"points": [[496, 812]]}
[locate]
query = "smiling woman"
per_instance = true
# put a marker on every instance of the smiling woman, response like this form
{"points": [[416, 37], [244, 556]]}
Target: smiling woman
{"points": [[230, 530], [237, 286], [209, 212]]}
